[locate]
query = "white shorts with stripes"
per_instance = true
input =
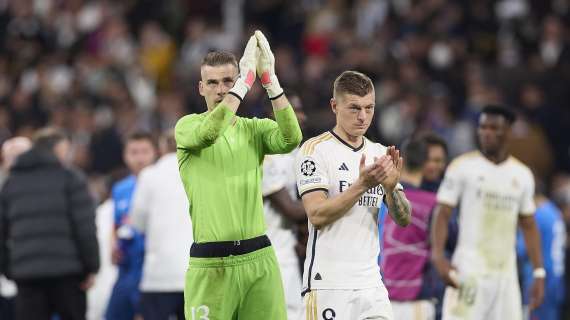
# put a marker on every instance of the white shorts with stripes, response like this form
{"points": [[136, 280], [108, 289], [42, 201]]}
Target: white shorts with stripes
{"points": [[417, 310], [339, 304]]}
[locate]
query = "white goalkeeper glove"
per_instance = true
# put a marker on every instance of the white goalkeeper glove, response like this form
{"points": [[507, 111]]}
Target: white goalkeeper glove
{"points": [[247, 65], [266, 67]]}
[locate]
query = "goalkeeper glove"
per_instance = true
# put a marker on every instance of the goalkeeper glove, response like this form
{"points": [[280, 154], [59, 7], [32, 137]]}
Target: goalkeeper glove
{"points": [[266, 67], [247, 65]]}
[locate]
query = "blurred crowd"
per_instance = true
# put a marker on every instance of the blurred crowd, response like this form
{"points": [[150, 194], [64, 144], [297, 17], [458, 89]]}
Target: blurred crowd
{"points": [[104, 69]]}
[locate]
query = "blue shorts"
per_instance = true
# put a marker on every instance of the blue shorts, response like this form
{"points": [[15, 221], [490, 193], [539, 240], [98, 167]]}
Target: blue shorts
{"points": [[546, 311], [124, 302]]}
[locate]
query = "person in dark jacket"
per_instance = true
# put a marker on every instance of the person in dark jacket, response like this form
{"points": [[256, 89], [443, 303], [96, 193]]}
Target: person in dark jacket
{"points": [[48, 242], [11, 149]]}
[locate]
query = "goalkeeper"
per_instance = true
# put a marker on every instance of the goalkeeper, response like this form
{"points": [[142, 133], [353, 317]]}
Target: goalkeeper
{"points": [[233, 271]]}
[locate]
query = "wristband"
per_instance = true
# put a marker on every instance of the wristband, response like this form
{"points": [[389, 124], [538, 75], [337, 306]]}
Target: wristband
{"points": [[277, 96], [539, 273], [239, 89], [236, 95]]}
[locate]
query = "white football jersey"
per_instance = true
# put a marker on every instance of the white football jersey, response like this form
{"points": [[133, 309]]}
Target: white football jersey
{"points": [[490, 197], [278, 173], [344, 254]]}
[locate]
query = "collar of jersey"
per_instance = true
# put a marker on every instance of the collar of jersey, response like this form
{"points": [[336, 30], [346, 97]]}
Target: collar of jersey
{"points": [[347, 144], [507, 159]]}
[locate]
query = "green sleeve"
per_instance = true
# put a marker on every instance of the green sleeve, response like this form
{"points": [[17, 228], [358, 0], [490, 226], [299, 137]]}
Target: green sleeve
{"points": [[196, 132], [283, 135]]}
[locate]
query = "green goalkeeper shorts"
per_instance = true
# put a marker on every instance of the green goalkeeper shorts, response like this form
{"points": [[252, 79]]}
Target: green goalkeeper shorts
{"points": [[237, 287]]}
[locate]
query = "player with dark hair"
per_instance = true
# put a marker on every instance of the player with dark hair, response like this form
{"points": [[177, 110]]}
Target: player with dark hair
{"points": [[495, 193], [434, 167], [412, 289], [128, 246]]}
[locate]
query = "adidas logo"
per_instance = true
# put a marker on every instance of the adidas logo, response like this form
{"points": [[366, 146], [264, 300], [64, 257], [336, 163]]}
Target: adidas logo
{"points": [[318, 277], [343, 166]]}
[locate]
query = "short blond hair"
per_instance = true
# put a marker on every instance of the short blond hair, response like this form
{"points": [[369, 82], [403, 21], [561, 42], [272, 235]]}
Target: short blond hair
{"points": [[352, 82], [46, 138], [219, 58]]}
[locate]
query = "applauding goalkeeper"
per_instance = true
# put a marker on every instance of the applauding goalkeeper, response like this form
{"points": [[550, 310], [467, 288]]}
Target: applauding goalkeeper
{"points": [[233, 270]]}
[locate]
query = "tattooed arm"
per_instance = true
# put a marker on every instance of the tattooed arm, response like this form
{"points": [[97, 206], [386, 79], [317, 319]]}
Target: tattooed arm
{"points": [[399, 207]]}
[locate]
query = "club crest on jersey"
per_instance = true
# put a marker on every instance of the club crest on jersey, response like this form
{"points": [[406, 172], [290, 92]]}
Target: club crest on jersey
{"points": [[308, 168]]}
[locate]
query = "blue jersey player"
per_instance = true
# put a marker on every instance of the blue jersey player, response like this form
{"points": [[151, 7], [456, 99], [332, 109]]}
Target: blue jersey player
{"points": [[553, 238], [128, 251]]}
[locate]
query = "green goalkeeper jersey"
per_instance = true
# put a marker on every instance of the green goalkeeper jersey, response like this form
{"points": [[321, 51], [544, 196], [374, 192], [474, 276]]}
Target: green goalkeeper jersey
{"points": [[220, 162]]}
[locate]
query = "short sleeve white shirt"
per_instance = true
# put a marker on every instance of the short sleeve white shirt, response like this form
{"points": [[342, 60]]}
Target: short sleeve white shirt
{"points": [[490, 198], [344, 254]]}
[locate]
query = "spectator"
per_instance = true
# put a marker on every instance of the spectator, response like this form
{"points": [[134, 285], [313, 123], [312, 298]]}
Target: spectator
{"points": [[160, 210], [11, 149], [112, 62], [101, 69], [48, 239]]}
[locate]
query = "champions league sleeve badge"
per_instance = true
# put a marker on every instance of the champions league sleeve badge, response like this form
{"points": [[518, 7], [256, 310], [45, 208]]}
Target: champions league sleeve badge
{"points": [[308, 168]]}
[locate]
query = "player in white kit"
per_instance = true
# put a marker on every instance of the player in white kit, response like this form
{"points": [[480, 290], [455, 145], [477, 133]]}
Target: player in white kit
{"points": [[283, 212], [343, 178], [281, 215], [494, 192]]}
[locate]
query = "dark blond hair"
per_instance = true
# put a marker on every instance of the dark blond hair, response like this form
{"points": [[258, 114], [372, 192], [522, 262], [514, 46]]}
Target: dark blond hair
{"points": [[352, 82], [141, 135], [46, 138], [219, 58]]}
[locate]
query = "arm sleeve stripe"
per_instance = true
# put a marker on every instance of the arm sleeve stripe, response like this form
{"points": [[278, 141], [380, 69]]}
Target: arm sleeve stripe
{"points": [[315, 189]]}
